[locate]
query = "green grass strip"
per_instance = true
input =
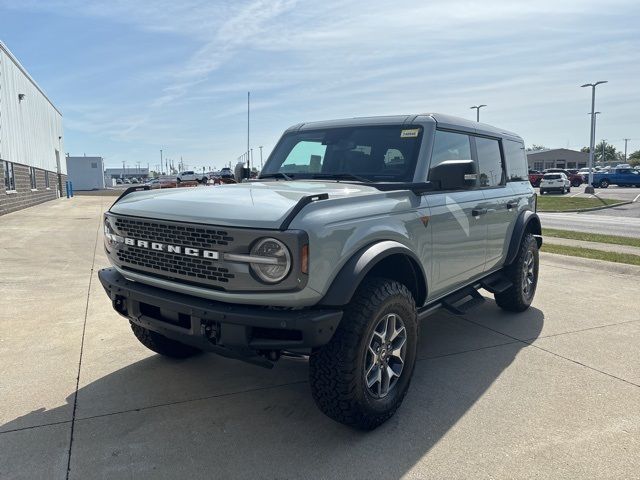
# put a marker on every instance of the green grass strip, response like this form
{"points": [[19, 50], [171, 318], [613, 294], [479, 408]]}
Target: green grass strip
{"points": [[591, 237], [556, 203], [594, 254]]}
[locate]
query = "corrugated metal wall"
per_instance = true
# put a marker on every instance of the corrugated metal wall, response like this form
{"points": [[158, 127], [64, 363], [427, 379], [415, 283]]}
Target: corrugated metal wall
{"points": [[29, 129]]}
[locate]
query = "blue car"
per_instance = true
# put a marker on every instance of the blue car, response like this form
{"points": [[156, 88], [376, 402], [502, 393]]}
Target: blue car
{"points": [[623, 177]]}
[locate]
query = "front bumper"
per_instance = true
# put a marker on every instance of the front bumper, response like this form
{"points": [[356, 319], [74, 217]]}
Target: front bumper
{"points": [[237, 331]]}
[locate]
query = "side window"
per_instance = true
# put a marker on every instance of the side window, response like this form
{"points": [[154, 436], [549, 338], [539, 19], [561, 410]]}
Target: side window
{"points": [[450, 146], [32, 178], [490, 166], [306, 157], [516, 161]]}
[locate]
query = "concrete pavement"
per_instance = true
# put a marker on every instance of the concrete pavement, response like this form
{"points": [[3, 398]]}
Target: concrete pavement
{"points": [[550, 393]]}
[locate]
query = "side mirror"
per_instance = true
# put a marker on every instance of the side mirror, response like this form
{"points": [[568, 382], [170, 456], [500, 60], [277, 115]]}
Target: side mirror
{"points": [[454, 175]]}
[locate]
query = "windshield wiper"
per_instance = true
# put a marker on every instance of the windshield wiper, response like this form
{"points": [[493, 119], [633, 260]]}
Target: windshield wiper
{"points": [[342, 176], [277, 175]]}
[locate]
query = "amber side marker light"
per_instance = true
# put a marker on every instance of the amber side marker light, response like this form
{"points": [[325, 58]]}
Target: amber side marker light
{"points": [[304, 259]]}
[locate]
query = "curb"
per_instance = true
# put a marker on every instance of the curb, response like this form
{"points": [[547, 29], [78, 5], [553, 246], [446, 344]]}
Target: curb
{"points": [[601, 266], [591, 209]]}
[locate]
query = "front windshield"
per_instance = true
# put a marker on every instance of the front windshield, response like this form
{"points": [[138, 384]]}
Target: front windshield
{"points": [[376, 153]]}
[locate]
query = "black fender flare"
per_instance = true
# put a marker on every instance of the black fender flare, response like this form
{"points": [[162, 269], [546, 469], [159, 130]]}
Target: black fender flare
{"points": [[527, 221], [353, 272]]}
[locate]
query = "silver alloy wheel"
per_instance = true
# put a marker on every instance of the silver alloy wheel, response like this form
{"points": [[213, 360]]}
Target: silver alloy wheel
{"points": [[528, 277], [385, 354]]}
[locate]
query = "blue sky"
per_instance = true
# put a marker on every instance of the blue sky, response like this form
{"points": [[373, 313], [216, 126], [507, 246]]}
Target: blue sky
{"points": [[132, 77]]}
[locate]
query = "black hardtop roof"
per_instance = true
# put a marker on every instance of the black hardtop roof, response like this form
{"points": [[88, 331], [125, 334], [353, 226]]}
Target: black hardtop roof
{"points": [[442, 120]]}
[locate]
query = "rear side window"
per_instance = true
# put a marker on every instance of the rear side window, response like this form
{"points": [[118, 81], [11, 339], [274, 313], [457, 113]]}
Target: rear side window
{"points": [[552, 176], [516, 161], [490, 167]]}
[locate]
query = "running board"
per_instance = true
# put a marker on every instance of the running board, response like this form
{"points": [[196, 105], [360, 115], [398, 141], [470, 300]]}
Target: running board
{"points": [[461, 302], [496, 283]]}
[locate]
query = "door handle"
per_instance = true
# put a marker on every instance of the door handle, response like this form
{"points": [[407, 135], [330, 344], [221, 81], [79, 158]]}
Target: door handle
{"points": [[510, 205], [476, 212]]}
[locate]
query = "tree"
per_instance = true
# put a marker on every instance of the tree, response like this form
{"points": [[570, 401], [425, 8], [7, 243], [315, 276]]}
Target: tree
{"points": [[634, 158], [610, 152], [535, 148]]}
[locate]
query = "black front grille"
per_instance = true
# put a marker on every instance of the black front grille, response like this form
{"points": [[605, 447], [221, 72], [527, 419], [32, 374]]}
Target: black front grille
{"points": [[187, 235], [176, 264], [161, 262]]}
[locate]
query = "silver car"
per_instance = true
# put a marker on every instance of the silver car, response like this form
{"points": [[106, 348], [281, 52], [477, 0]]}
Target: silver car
{"points": [[355, 230]]}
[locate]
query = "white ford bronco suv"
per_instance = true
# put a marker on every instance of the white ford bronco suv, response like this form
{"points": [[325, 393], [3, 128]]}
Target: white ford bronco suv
{"points": [[355, 230]]}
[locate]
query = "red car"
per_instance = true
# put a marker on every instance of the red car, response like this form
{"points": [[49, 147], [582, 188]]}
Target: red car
{"points": [[535, 177]]}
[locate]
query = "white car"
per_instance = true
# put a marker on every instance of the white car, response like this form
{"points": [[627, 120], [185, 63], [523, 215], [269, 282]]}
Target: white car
{"points": [[191, 176], [555, 181]]}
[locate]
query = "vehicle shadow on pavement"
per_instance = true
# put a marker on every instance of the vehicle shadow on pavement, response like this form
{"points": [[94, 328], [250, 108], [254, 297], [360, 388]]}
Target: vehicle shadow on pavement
{"points": [[267, 426]]}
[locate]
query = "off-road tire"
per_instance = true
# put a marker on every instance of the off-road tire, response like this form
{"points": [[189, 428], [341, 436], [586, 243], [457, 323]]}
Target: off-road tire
{"points": [[336, 370], [161, 344], [514, 298]]}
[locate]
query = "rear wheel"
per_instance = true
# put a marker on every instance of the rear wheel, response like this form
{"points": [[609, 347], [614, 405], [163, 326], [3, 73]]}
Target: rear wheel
{"points": [[161, 344], [362, 375], [523, 274], [604, 183], [542, 191]]}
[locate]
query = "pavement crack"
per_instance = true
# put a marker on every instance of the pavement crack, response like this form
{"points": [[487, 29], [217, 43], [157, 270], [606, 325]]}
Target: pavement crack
{"points": [[191, 400], [531, 344], [84, 329]]}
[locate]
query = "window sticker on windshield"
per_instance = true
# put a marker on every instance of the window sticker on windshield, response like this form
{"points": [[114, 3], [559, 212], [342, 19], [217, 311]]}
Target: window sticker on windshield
{"points": [[409, 133]]}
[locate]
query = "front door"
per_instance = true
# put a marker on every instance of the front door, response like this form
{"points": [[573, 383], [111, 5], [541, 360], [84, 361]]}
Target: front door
{"points": [[457, 222]]}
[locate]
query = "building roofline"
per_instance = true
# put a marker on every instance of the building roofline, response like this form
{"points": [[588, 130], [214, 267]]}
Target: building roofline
{"points": [[17, 63]]}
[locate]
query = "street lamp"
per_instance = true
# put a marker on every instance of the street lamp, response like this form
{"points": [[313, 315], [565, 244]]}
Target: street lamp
{"points": [[477, 107], [593, 86]]}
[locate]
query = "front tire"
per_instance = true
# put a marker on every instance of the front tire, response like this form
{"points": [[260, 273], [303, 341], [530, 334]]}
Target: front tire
{"points": [[161, 344], [362, 375], [523, 274], [604, 183]]}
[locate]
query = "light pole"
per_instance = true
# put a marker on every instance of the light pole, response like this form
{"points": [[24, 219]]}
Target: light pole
{"points": [[161, 165], [626, 140], [477, 107], [261, 157], [593, 86], [604, 143]]}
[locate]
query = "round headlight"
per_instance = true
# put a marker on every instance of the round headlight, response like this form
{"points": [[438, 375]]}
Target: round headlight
{"points": [[273, 260]]}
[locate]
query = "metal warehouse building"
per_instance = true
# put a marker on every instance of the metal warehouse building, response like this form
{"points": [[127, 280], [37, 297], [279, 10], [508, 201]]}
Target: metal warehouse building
{"points": [[31, 170], [86, 173]]}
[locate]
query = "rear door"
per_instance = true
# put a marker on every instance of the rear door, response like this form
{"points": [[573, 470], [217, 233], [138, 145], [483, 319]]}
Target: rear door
{"points": [[500, 202], [457, 225]]}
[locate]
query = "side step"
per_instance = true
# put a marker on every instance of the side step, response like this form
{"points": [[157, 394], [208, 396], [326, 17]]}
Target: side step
{"points": [[461, 302], [496, 283]]}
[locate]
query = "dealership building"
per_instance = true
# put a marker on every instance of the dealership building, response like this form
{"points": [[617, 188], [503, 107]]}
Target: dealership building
{"points": [[31, 168], [556, 158]]}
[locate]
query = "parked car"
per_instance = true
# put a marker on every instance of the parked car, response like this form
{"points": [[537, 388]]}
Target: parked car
{"points": [[135, 180], [127, 181], [535, 177], [226, 173], [337, 256], [557, 182], [574, 178], [623, 177], [191, 176], [118, 181]]}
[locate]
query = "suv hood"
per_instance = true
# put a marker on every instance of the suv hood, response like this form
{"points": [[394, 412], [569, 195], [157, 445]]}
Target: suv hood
{"points": [[252, 205]]}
